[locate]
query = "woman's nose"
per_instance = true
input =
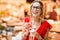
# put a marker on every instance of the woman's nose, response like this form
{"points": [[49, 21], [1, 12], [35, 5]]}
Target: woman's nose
{"points": [[36, 9]]}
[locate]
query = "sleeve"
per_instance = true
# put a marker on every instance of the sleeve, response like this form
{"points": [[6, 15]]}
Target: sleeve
{"points": [[43, 29], [27, 19]]}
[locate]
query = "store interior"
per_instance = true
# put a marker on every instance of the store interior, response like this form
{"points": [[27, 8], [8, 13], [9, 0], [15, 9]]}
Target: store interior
{"points": [[13, 12]]}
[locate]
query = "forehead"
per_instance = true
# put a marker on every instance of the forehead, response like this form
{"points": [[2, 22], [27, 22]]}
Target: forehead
{"points": [[36, 4]]}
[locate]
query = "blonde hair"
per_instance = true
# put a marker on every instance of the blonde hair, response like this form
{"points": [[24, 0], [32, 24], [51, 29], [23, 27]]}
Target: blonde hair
{"points": [[41, 15]]}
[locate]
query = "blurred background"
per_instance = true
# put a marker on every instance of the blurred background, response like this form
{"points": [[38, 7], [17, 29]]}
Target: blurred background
{"points": [[12, 13]]}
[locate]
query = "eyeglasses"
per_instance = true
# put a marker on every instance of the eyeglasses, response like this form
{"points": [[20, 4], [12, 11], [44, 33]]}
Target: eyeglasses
{"points": [[37, 7]]}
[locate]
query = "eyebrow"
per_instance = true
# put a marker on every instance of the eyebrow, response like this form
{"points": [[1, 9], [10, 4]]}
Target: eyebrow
{"points": [[36, 6]]}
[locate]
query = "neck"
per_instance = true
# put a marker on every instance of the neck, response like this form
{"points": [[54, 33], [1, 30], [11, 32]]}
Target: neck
{"points": [[36, 19]]}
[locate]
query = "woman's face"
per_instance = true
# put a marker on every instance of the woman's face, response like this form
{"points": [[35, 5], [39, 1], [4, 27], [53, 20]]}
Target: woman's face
{"points": [[36, 9]]}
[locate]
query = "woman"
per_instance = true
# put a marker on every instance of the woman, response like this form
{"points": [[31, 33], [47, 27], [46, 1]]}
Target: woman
{"points": [[40, 28]]}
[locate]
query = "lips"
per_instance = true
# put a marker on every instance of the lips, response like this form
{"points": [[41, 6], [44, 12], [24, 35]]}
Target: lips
{"points": [[36, 13]]}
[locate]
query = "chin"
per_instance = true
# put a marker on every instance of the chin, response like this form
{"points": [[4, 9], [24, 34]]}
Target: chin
{"points": [[35, 15]]}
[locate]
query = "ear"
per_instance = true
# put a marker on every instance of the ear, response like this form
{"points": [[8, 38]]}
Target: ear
{"points": [[30, 10]]}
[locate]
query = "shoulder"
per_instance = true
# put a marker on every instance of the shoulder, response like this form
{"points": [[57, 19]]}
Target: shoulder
{"points": [[50, 22], [47, 24], [46, 21]]}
